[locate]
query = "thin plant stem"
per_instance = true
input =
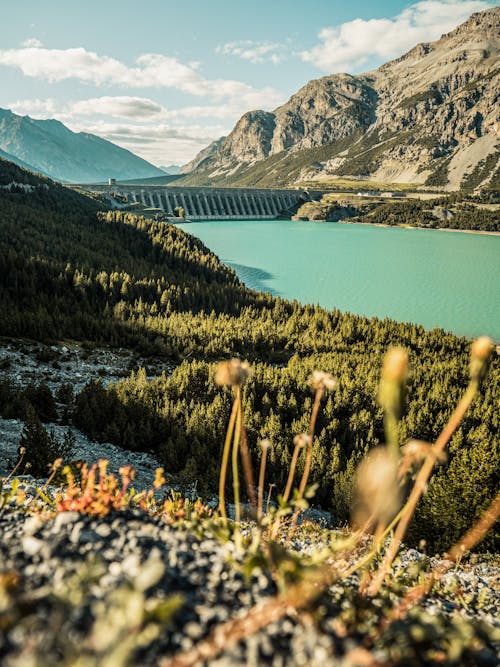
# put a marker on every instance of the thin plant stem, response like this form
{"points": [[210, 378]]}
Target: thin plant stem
{"points": [[262, 475], [236, 443], [391, 428], [271, 487], [247, 465], [421, 484], [291, 473], [55, 467], [12, 472], [309, 451], [288, 487], [312, 427], [225, 460]]}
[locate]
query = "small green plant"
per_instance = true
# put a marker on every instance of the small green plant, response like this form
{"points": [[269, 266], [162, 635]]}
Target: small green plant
{"points": [[40, 448]]}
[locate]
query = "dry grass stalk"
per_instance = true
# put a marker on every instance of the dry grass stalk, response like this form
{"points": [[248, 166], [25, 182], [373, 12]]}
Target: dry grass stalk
{"points": [[236, 443], [320, 382], [22, 452], [247, 465], [300, 441], [391, 395], [265, 445], [225, 461], [234, 373], [55, 467], [268, 502], [480, 352]]}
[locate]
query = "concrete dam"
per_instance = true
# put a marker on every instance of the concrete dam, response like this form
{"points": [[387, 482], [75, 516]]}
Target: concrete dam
{"points": [[206, 203]]}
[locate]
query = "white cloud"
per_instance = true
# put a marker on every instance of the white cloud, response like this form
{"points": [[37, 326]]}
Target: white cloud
{"points": [[35, 108], [142, 126], [254, 52], [159, 143], [151, 70], [32, 42], [118, 106], [349, 46]]}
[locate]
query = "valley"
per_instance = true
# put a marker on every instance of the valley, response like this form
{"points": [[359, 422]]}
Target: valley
{"points": [[249, 398]]}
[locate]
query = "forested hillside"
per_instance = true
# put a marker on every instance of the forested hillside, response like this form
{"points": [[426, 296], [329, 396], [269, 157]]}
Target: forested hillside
{"points": [[72, 271]]}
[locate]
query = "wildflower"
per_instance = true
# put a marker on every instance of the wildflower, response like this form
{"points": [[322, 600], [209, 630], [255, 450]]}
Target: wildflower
{"points": [[159, 480], [322, 380], [232, 373]]}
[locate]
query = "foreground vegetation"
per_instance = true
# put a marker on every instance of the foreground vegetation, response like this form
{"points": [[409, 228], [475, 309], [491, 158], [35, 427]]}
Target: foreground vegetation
{"points": [[359, 605]]}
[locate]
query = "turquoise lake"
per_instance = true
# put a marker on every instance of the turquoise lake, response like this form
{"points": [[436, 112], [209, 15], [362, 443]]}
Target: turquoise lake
{"points": [[433, 278]]}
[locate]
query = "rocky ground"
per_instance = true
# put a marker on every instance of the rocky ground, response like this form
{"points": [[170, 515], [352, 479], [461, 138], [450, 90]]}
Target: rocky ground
{"points": [[24, 362], [84, 585]]}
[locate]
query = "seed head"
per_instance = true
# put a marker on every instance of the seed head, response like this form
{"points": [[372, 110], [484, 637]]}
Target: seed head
{"points": [[322, 380], [377, 488], [232, 373], [302, 440], [57, 464], [416, 451], [265, 444], [395, 365], [479, 355], [482, 347]]}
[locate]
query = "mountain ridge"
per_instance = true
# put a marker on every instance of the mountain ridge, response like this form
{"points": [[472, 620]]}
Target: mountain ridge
{"points": [[49, 147], [426, 117]]}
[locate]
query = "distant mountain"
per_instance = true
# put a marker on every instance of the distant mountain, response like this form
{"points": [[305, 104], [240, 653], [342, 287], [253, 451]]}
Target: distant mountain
{"points": [[12, 158], [75, 157], [429, 117], [171, 169]]}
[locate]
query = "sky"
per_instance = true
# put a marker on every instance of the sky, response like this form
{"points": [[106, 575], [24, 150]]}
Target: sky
{"points": [[164, 79]]}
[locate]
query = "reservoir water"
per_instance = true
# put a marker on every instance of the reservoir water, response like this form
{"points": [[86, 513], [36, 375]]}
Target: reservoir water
{"points": [[433, 278]]}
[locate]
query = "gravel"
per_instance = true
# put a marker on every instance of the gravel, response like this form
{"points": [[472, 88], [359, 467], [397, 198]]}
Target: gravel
{"points": [[23, 363], [123, 549]]}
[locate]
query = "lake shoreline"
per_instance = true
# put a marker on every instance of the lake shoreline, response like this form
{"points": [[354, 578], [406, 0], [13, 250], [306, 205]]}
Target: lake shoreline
{"points": [[346, 221]]}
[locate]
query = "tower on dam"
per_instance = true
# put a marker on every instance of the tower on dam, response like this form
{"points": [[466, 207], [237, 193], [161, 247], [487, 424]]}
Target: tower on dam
{"points": [[204, 203]]}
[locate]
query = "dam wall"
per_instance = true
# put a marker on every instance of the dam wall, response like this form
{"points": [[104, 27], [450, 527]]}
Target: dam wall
{"points": [[204, 203]]}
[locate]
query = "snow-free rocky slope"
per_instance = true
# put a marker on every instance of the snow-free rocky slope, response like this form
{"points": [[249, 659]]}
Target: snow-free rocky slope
{"points": [[430, 116]]}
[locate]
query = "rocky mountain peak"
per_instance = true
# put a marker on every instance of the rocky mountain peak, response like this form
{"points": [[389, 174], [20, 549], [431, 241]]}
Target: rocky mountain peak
{"points": [[427, 117]]}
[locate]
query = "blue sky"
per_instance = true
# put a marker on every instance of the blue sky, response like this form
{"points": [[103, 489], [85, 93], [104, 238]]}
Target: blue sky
{"points": [[165, 78]]}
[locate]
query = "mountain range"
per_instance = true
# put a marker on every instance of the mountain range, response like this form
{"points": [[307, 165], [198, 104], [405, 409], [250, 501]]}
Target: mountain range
{"points": [[51, 148], [429, 117]]}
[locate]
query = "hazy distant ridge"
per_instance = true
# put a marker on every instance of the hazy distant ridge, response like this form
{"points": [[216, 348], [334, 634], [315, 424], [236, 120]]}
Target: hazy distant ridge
{"points": [[50, 147]]}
